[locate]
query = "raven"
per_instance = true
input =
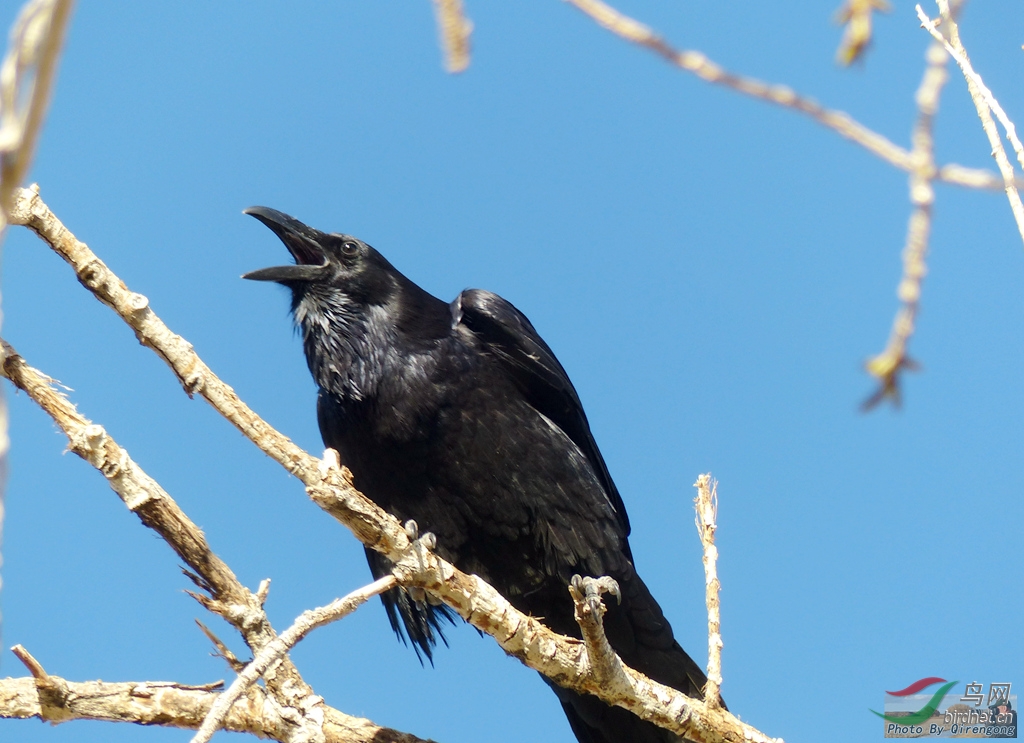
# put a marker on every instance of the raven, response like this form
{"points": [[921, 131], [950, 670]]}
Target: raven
{"points": [[458, 416]]}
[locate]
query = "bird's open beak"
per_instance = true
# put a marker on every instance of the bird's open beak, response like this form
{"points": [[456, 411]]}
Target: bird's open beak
{"points": [[303, 243]]}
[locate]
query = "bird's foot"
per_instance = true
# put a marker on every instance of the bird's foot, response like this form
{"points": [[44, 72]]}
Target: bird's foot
{"points": [[422, 543], [589, 590], [426, 540]]}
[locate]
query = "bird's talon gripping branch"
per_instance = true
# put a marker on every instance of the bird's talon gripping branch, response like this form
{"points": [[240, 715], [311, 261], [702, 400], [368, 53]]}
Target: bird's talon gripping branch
{"points": [[425, 541], [588, 590], [605, 666], [422, 545]]}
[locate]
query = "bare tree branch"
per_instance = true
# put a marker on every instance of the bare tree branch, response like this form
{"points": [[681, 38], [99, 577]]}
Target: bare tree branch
{"points": [[985, 102], [287, 709], [889, 365], [455, 29], [278, 648], [26, 77], [564, 660], [706, 504], [838, 121], [158, 511], [293, 700], [196, 378], [170, 704], [330, 487], [986, 180]]}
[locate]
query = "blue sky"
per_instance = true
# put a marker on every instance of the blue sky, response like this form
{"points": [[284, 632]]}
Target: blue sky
{"points": [[711, 271]]}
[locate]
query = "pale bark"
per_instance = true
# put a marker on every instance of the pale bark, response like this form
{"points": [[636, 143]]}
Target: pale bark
{"points": [[455, 30], [169, 704], [985, 102], [706, 505], [564, 660]]}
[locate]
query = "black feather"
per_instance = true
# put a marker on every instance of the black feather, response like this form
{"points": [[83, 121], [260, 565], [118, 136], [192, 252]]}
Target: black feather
{"points": [[460, 417]]}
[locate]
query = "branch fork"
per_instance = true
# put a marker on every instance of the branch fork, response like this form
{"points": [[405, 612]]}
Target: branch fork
{"points": [[330, 485]]}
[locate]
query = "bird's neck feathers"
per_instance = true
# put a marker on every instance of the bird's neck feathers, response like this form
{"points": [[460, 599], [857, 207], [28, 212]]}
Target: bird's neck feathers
{"points": [[352, 347]]}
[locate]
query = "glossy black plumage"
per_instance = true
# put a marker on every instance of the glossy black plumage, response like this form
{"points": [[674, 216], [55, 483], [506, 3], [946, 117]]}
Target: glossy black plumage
{"points": [[460, 417]]}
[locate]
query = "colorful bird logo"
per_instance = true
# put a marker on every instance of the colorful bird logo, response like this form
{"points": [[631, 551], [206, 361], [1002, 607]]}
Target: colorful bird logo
{"points": [[916, 718]]}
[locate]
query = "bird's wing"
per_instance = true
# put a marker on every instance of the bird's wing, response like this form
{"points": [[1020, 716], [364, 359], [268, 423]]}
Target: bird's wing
{"points": [[512, 339]]}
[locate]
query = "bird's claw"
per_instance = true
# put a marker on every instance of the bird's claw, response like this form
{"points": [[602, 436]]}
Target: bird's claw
{"points": [[427, 540], [590, 589], [421, 543]]}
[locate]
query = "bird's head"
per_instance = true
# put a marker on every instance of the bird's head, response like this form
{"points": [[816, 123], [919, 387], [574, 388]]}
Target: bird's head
{"points": [[328, 265], [349, 302]]}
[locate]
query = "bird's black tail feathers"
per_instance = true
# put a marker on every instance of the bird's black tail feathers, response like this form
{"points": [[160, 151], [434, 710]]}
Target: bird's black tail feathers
{"points": [[413, 621]]}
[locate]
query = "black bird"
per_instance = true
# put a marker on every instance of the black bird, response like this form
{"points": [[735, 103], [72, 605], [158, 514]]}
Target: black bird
{"points": [[459, 416]]}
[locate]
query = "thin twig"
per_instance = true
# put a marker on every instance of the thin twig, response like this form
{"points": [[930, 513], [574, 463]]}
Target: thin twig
{"points": [[706, 505], [985, 102], [838, 121], [263, 590], [888, 366], [983, 180], [223, 651], [34, 667], [277, 649], [455, 29]]}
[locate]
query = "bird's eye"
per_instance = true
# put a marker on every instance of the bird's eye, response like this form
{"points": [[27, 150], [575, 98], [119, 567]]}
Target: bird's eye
{"points": [[349, 248]]}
